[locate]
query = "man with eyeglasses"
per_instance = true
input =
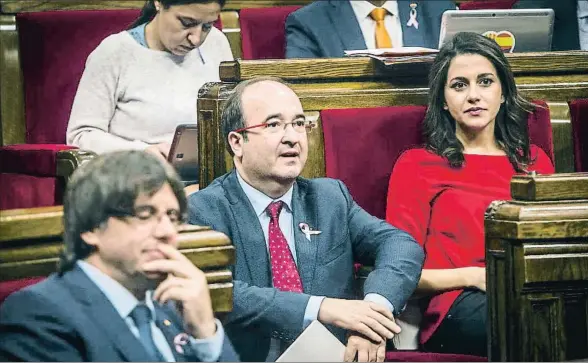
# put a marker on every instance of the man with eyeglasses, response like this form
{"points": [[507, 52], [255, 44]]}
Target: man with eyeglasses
{"points": [[297, 239], [123, 291]]}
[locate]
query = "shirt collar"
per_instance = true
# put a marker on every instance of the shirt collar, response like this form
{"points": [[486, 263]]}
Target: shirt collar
{"points": [[260, 201], [123, 301], [363, 8]]}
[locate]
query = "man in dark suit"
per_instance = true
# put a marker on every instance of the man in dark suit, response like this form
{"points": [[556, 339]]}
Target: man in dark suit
{"points": [[297, 239], [325, 29], [565, 26], [122, 282]]}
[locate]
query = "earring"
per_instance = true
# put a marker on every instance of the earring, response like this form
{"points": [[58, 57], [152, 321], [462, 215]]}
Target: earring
{"points": [[501, 99]]}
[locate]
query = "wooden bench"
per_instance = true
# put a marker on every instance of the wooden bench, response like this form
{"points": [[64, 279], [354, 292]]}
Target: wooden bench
{"points": [[555, 77], [537, 270], [30, 243]]}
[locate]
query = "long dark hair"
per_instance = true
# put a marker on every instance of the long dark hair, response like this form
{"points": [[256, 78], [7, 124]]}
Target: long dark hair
{"points": [[510, 127], [149, 11]]}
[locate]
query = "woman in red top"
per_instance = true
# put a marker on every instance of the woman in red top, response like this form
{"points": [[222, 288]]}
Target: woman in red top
{"points": [[476, 140]]}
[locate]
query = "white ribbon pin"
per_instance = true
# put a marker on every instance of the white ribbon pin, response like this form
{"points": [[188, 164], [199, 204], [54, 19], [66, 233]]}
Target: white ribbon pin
{"points": [[307, 230], [413, 16]]}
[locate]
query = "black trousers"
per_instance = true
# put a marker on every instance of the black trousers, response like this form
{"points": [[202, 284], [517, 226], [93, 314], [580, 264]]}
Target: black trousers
{"points": [[463, 331]]}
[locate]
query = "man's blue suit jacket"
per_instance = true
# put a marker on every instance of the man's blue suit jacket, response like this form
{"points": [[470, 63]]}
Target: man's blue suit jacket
{"points": [[68, 318], [325, 263], [324, 29]]}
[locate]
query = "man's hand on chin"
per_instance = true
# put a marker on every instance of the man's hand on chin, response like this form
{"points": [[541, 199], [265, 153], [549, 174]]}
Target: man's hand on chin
{"points": [[365, 349]]}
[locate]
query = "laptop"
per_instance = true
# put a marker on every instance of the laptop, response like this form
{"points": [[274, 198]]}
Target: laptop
{"points": [[515, 30], [315, 344], [183, 154]]}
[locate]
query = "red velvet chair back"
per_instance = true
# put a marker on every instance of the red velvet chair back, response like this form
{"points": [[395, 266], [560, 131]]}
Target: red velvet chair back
{"points": [[579, 115], [8, 287], [54, 46], [362, 145], [487, 4], [263, 33]]}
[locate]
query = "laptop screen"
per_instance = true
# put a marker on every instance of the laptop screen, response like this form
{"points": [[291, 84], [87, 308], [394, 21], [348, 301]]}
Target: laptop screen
{"points": [[515, 30]]}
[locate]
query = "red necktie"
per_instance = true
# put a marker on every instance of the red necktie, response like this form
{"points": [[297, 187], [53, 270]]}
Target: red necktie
{"points": [[284, 273]]}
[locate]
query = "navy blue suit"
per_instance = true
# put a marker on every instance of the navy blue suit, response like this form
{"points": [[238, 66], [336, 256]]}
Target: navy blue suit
{"points": [[325, 262], [324, 29], [68, 318]]}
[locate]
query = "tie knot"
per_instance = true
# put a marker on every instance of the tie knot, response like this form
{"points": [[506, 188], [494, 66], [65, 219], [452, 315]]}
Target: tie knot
{"points": [[141, 314], [378, 14], [274, 209]]}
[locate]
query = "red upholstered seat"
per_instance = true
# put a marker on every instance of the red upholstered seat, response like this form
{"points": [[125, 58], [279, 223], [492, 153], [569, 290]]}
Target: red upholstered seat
{"points": [[412, 356], [54, 46], [579, 116], [487, 4], [263, 32], [8, 287], [362, 145]]}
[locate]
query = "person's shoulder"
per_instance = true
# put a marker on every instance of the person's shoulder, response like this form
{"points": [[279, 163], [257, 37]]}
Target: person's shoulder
{"points": [[215, 191], [313, 9], [114, 47], [40, 294], [417, 155]]}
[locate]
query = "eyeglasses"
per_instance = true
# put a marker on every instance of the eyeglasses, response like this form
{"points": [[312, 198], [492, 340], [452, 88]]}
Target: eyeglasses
{"points": [[148, 214], [273, 127]]}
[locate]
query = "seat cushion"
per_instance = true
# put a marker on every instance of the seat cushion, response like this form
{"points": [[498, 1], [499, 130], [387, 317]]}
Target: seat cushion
{"points": [[579, 116], [32, 159], [540, 132], [8, 287], [263, 32], [362, 145], [54, 46], [28, 191]]}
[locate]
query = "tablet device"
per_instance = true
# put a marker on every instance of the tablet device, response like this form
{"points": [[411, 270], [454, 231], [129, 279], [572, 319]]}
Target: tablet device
{"points": [[183, 154], [515, 30]]}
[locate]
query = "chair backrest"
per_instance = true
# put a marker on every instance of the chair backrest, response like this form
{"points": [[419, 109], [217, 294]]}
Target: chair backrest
{"points": [[54, 46], [362, 145], [487, 4], [579, 116], [262, 32]]}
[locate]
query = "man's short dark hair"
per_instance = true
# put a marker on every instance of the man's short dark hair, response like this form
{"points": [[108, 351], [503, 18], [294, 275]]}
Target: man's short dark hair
{"points": [[108, 186], [232, 117]]}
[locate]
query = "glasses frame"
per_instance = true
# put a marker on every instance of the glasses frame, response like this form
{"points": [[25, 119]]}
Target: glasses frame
{"points": [[310, 125]]}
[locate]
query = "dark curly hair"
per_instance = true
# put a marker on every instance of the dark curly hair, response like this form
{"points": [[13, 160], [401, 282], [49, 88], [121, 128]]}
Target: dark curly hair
{"points": [[510, 127]]}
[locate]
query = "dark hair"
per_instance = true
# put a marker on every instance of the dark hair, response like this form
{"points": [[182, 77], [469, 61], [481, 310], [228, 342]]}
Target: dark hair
{"points": [[232, 117], [510, 127], [149, 11], [108, 186]]}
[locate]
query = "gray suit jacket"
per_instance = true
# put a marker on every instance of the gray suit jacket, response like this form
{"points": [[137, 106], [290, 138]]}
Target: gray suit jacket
{"points": [[565, 25], [325, 263], [324, 29], [69, 319]]}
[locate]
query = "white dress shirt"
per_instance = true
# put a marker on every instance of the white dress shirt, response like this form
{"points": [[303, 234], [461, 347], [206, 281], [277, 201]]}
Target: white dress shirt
{"points": [[362, 10]]}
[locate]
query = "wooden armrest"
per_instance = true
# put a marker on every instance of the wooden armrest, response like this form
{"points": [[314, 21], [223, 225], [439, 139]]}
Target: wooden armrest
{"points": [[69, 160]]}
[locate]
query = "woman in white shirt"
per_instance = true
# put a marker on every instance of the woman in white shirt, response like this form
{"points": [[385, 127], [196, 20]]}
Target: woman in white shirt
{"points": [[139, 84]]}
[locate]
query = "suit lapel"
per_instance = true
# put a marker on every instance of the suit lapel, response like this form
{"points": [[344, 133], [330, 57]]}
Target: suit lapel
{"points": [[411, 36], [105, 316], [346, 26], [170, 326], [250, 234], [306, 251]]}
